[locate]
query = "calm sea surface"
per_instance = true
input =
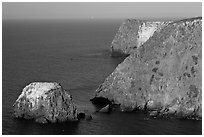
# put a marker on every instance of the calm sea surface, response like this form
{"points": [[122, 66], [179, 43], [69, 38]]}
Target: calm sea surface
{"points": [[76, 54]]}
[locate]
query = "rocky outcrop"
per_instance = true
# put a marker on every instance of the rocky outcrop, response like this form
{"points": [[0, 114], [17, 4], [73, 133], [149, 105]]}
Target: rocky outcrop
{"points": [[45, 102], [105, 109], [83, 115], [132, 34], [164, 75]]}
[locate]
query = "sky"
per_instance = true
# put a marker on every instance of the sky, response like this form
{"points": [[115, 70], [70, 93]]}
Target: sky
{"points": [[88, 10]]}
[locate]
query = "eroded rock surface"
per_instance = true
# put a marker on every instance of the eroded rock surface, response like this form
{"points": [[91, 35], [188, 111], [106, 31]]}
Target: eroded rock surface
{"points": [[132, 34], [163, 75], [45, 102]]}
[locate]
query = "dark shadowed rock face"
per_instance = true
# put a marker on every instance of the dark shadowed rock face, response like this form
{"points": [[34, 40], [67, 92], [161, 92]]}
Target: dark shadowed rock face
{"points": [[163, 75], [132, 34], [45, 102]]}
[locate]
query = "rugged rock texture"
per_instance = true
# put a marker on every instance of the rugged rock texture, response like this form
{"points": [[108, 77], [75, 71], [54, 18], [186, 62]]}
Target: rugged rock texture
{"points": [[132, 34], [45, 102], [163, 75]]}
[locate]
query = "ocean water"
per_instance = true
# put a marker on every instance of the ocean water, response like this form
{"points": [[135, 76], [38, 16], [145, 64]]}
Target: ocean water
{"points": [[76, 54]]}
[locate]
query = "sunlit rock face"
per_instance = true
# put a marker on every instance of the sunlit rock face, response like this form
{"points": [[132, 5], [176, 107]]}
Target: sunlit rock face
{"points": [[45, 102], [163, 75], [132, 34]]}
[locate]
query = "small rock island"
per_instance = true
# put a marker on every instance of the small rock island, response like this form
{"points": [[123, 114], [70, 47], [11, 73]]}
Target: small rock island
{"points": [[45, 102]]}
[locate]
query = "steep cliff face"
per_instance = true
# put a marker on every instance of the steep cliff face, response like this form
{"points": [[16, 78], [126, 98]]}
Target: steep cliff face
{"points": [[132, 34], [45, 102], [163, 75]]}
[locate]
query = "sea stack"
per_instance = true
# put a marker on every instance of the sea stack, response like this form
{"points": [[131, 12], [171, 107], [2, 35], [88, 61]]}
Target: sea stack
{"points": [[45, 102], [132, 34], [163, 75]]}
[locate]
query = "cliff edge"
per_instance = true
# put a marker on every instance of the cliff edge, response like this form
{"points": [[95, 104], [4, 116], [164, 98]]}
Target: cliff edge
{"points": [[163, 76], [132, 34]]}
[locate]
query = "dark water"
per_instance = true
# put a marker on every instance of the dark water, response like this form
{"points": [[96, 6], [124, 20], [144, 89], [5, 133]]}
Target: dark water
{"points": [[74, 53]]}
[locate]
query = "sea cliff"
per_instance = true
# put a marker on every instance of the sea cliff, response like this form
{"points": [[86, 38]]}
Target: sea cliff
{"points": [[132, 34], [163, 76]]}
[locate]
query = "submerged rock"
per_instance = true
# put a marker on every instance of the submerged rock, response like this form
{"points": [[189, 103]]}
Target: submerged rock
{"points": [[132, 34], [45, 102], [164, 74], [153, 113], [83, 115]]}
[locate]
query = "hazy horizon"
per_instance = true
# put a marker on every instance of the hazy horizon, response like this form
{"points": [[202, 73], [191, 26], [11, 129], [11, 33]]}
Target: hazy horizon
{"points": [[99, 10]]}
